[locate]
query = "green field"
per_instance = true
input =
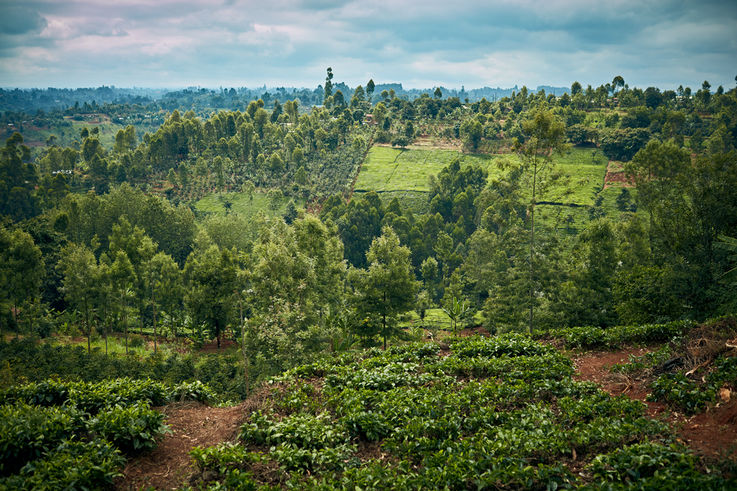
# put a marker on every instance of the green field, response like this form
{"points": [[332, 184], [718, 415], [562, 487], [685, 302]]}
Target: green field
{"points": [[392, 169], [405, 174], [243, 204], [582, 177]]}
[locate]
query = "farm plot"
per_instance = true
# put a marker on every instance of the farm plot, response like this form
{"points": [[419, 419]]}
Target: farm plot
{"points": [[243, 203], [391, 169], [484, 413], [405, 174]]}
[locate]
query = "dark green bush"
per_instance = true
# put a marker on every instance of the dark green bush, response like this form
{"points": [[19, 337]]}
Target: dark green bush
{"points": [[74, 465], [27, 432], [654, 466], [132, 429]]}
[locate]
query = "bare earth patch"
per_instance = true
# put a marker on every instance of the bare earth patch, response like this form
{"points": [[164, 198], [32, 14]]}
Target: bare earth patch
{"points": [[168, 466], [712, 433], [615, 175]]}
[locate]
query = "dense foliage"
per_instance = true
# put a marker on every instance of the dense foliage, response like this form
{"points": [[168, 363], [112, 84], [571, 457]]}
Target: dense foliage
{"points": [[57, 435]]}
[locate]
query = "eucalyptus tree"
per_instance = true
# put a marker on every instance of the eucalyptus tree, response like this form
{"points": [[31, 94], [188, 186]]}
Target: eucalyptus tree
{"points": [[544, 135], [211, 275], [163, 277], [77, 266]]}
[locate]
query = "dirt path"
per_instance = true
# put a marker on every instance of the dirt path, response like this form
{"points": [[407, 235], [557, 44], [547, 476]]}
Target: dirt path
{"points": [[168, 466], [712, 433]]}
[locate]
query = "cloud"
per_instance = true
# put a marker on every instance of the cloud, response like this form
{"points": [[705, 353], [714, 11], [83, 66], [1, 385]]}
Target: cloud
{"points": [[418, 42], [19, 19]]}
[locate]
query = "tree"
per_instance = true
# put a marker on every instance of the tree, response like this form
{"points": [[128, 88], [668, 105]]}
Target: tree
{"points": [[544, 135], [275, 197], [21, 270], [295, 291], [617, 82], [18, 178], [122, 280], [211, 280], [291, 213], [139, 248], [471, 133], [438, 94], [163, 277], [77, 266], [387, 288], [328, 87], [248, 187], [370, 86], [456, 310]]}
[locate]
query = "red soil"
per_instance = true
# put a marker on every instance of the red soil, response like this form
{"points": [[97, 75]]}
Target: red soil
{"points": [[712, 433]]}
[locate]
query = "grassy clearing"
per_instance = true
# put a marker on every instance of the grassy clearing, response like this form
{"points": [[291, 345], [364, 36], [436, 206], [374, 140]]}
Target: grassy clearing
{"points": [[435, 319], [137, 345], [242, 204], [414, 201], [582, 173], [405, 174], [392, 169]]}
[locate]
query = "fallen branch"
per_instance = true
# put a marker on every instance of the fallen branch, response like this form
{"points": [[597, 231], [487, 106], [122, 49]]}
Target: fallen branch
{"points": [[700, 365]]}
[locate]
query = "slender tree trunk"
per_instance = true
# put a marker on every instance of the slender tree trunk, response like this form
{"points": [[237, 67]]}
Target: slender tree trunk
{"points": [[15, 319], [246, 374], [125, 327], [89, 331], [532, 247], [153, 306], [384, 331]]}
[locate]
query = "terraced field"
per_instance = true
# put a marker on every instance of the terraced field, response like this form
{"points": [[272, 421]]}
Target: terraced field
{"points": [[405, 174]]}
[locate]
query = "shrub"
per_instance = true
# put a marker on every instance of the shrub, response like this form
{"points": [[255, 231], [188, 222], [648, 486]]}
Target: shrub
{"points": [[132, 429], [27, 432], [74, 465], [653, 466]]}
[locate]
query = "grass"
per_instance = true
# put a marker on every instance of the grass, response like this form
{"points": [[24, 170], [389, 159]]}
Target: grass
{"points": [[582, 173], [414, 201], [434, 319], [391, 169], [405, 174], [137, 345], [243, 204]]}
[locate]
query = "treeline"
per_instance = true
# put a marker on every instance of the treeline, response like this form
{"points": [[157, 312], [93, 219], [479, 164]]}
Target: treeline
{"points": [[307, 155]]}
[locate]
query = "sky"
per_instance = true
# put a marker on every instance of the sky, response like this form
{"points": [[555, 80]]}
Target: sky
{"points": [[420, 43]]}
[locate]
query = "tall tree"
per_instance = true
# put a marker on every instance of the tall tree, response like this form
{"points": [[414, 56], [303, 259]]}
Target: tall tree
{"points": [[122, 280], [163, 276], [77, 266], [18, 179], [211, 277], [370, 86], [328, 87], [139, 249], [544, 135]]}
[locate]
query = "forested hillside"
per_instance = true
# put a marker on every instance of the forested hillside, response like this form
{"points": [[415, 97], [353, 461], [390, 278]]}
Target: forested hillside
{"points": [[191, 239]]}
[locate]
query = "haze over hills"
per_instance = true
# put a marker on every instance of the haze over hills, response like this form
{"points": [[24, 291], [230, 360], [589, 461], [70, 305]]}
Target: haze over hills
{"points": [[51, 98]]}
